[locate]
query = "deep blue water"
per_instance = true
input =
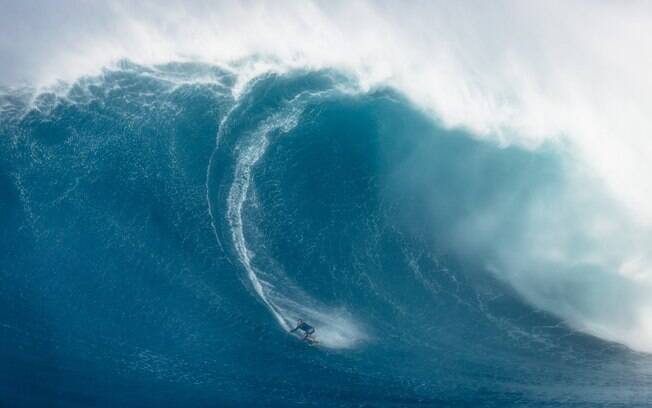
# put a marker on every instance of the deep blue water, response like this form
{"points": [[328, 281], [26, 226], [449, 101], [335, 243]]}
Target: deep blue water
{"points": [[159, 236]]}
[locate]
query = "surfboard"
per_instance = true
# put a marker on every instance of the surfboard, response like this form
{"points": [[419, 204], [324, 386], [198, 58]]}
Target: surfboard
{"points": [[310, 340]]}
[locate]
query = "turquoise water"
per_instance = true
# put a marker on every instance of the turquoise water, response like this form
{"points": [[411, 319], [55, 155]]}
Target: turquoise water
{"points": [[161, 234]]}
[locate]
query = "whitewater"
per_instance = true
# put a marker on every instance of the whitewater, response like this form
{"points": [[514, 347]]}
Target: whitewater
{"points": [[454, 195]]}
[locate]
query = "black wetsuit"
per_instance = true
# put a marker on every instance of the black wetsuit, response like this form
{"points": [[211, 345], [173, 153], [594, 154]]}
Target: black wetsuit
{"points": [[305, 327]]}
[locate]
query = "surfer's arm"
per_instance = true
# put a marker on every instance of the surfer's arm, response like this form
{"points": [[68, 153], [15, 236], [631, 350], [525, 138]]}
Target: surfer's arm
{"points": [[295, 329]]}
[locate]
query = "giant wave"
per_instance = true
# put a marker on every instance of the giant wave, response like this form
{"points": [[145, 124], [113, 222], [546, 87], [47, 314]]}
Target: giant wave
{"points": [[163, 226]]}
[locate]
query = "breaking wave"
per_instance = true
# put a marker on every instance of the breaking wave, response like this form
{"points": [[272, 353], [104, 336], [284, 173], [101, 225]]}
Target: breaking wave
{"points": [[166, 225]]}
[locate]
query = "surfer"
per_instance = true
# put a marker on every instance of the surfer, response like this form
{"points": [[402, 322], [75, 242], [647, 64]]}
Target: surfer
{"points": [[307, 329]]}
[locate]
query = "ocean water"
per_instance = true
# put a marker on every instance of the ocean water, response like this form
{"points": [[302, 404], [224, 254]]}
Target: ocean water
{"points": [[163, 227]]}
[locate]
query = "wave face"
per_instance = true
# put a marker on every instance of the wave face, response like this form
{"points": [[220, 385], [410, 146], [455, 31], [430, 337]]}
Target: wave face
{"points": [[163, 227]]}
